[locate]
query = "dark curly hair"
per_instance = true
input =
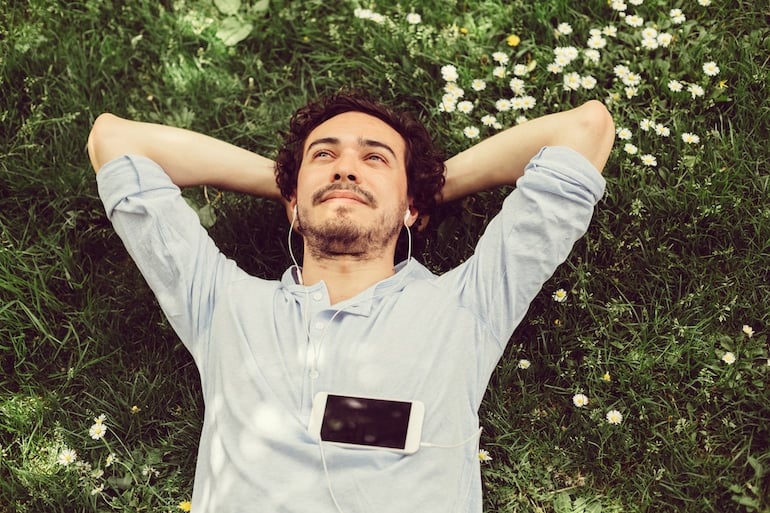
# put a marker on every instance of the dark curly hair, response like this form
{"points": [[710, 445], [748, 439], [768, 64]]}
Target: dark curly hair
{"points": [[424, 162]]}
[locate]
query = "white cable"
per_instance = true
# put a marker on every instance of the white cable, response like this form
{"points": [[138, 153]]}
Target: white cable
{"points": [[291, 252], [475, 435]]}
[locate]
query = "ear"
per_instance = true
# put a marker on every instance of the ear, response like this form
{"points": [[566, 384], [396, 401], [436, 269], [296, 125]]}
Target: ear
{"points": [[410, 216], [290, 207]]}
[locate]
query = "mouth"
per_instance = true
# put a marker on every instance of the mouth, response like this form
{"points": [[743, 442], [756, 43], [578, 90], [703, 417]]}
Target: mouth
{"points": [[343, 195]]}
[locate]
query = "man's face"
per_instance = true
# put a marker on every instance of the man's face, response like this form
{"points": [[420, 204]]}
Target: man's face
{"points": [[351, 187]]}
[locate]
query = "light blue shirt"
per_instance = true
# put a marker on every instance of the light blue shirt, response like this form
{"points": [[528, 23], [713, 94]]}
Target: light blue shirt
{"points": [[264, 347]]}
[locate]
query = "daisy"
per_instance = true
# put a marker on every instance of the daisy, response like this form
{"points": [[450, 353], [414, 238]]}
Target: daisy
{"points": [[631, 92], [690, 138], [649, 160], [596, 42], [478, 85], [454, 89], [471, 132], [499, 72], [488, 120], [649, 43], [634, 20], [572, 81], [614, 417], [465, 107], [677, 17], [500, 58], [631, 79], [728, 358], [610, 31], [524, 364], [645, 125], [695, 90], [520, 70], [564, 29], [675, 86], [579, 400], [748, 330], [664, 39], [704, 3], [66, 456], [449, 73], [624, 134], [630, 149], [503, 105], [587, 82], [554, 68], [528, 102], [448, 103], [662, 130], [484, 455], [559, 296], [621, 71], [413, 18], [592, 55], [570, 52], [711, 69], [97, 431], [618, 5], [516, 85]]}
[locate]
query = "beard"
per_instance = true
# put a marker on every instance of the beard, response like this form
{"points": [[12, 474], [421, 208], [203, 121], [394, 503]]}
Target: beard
{"points": [[343, 236]]}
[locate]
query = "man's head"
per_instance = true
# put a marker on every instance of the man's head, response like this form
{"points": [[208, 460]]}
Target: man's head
{"points": [[424, 163]]}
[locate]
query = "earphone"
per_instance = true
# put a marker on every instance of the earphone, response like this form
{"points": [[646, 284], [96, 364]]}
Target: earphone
{"points": [[294, 213], [407, 215]]}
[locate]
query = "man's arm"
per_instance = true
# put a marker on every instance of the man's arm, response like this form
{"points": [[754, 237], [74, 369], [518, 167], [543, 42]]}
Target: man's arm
{"points": [[189, 158], [500, 160]]}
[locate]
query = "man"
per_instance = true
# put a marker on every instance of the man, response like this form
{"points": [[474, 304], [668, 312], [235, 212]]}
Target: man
{"points": [[348, 321]]}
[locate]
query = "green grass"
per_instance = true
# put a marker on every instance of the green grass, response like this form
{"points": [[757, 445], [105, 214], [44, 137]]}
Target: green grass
{"points": [[674, 265]]}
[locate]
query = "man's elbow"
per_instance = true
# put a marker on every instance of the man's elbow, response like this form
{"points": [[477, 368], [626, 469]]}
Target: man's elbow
{"points": [[598, 130], [101, 132]]}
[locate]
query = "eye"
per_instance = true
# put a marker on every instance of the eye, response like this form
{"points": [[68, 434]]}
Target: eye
{"points": [[377, 157], [322, 154]]}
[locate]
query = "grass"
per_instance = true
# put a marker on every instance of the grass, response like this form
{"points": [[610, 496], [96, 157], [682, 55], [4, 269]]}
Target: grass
{"points": [[675, 263]]}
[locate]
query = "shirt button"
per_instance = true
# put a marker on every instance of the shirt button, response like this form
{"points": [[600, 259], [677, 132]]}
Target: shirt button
{"points": [[313, 374], [317, 296], [318, 326]]}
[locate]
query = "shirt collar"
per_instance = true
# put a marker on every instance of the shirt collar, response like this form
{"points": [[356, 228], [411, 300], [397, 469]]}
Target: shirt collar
{"points": [[362, 303]]}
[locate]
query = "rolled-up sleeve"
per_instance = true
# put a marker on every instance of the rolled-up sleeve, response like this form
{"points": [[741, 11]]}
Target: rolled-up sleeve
{"points": [[548, 211], [163, 236]]}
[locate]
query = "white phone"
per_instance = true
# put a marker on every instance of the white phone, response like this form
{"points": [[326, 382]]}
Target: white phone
{"points": [[367, 422]]}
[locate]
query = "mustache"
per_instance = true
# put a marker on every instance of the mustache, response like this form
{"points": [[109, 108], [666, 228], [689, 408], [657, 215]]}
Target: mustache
{"points": [[366, 195]]}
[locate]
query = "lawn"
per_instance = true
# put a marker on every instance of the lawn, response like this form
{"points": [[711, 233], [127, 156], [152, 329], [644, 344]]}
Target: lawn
{"points": [[638, 381]]}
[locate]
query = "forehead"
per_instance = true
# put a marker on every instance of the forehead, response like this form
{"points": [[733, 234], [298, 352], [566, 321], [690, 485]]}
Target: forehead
{"points": [[357, 127]]}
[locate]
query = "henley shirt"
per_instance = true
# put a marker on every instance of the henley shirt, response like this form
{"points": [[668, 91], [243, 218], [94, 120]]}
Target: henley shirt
{"points": [[264, 347]]}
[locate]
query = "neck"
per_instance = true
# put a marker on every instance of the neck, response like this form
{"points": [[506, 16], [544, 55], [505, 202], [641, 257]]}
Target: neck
{"points": [[346, 276]]}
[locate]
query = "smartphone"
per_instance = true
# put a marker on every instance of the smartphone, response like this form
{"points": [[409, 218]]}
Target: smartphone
{"points": [[367, 422]]}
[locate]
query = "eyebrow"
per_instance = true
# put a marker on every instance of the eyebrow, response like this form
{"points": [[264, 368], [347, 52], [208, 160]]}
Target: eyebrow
{"points": [[364, 143]]}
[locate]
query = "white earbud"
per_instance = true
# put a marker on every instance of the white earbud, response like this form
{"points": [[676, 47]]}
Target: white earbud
{"points": [[407, 215]]}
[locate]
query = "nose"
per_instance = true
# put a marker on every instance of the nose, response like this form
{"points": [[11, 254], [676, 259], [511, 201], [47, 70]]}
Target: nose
{"points": [[345, 170]]}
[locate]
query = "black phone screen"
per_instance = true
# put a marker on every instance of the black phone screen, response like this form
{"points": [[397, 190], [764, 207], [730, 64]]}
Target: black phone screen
{"points": [[364, 421]]}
